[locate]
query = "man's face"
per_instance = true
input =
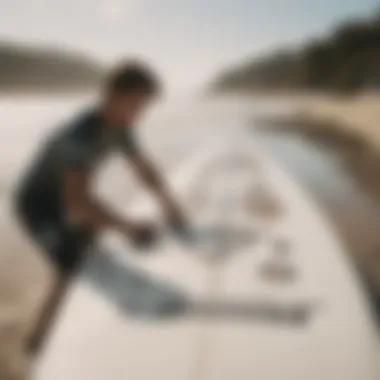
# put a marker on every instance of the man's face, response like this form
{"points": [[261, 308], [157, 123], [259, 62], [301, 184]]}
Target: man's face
{"points": [[127, 108]]}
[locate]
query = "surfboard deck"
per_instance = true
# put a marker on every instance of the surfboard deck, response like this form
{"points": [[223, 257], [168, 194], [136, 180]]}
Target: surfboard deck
{"points": [[269, 295]]}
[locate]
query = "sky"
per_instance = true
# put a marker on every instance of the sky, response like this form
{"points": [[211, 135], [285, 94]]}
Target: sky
{"points": [[188, 41]]}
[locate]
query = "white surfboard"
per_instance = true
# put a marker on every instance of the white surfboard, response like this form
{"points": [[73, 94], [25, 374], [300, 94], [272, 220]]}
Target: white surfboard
{"points": [[263, 291]]}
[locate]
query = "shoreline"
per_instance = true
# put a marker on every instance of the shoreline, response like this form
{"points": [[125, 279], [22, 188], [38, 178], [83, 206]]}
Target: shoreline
{"points": [[338, 123], [357, 144]]}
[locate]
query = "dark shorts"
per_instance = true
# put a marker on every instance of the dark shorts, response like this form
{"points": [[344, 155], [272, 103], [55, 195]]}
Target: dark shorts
{"points": [[40, 213]]}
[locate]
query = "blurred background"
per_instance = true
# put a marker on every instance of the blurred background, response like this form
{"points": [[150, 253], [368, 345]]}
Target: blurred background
{"points": [[302, 76]]}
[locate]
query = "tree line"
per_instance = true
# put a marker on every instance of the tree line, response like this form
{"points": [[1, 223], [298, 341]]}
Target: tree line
{"points": [[39, 69], [348, 60]]}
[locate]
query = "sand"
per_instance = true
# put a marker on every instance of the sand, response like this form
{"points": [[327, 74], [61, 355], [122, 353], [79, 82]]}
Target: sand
{"points": [[24, 281], [355, 116], [359, 114]]}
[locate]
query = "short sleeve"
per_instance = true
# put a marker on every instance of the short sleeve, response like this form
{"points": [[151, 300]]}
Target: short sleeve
{"points": [[75, 153], [128, 144]]}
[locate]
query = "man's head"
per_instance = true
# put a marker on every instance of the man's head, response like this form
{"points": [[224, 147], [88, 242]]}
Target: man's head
{"points": [[129, 90]]}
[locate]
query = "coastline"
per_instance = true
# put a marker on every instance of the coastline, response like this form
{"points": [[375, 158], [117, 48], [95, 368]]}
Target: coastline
{"points": [[351, 128], [348, 124]]}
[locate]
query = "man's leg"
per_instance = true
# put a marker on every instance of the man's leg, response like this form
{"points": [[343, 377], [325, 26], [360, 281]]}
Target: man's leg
{"points": [[48, 314], [40, 215], [67, 257]]}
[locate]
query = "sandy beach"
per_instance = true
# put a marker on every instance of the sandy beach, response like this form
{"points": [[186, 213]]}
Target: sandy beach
{"points": [[358, 115], [350, 122], [24, 281], [355, 121]]}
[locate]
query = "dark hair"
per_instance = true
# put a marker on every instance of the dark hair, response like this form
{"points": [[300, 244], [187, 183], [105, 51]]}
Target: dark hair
{"points": [[133, 76]]}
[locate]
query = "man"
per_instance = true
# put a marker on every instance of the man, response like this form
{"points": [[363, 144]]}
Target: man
{"points": [[54, 200]]}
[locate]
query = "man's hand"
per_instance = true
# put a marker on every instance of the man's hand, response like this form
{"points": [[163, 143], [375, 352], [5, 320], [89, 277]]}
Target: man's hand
{"points": [[151, 177], [142, 235], [175, 218]]}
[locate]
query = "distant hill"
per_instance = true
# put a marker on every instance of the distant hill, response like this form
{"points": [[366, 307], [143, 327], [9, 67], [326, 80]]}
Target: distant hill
{"points": [[347, 60], [33, 69]]}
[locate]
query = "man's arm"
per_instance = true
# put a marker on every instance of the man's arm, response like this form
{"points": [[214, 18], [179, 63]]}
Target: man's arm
{"points": [[152, 178], [83, 209]]}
